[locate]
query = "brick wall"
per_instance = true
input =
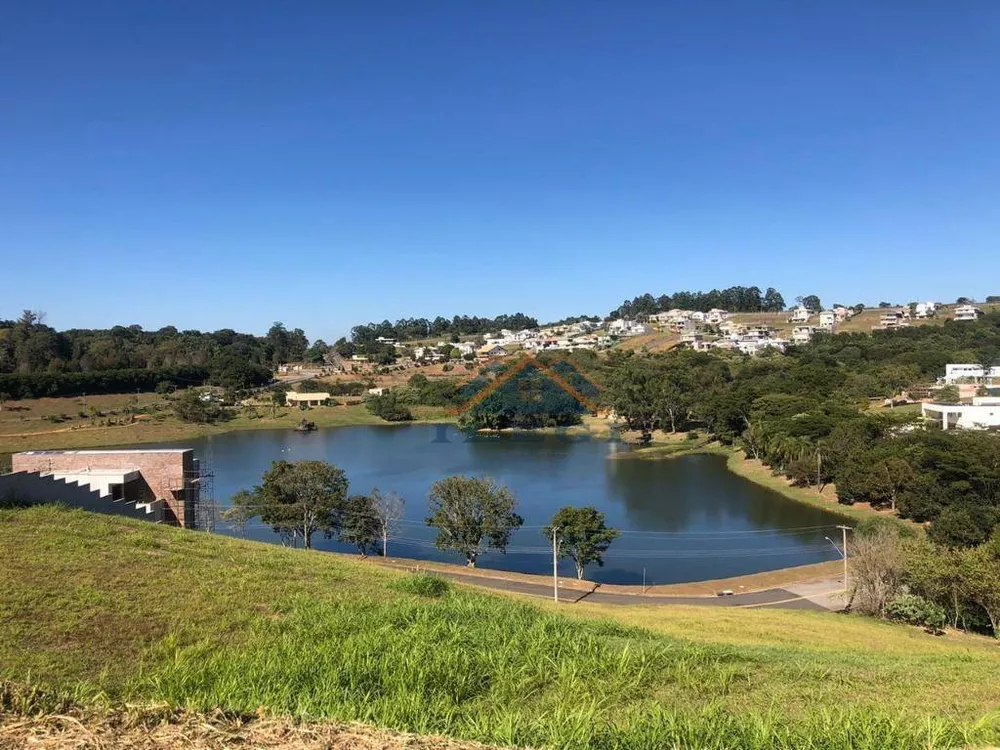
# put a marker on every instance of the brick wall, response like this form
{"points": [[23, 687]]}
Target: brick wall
{"points": [[166, 473]]}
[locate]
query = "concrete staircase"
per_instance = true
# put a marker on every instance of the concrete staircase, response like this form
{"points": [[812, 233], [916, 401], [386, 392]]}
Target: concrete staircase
{"points": [[31, 488]]}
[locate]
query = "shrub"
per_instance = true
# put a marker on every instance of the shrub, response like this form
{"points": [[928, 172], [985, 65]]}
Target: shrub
{"points": [[388, 408], [447, 368], [423, 584], [915, 610], [693, 435], [165, 387]]}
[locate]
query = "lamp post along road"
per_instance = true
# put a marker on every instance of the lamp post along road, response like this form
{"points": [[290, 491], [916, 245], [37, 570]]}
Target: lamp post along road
{"points": [[555, 564]]}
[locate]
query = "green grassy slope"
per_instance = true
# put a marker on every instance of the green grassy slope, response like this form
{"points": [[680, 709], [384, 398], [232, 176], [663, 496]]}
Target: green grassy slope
{"points": [[143, 613]]}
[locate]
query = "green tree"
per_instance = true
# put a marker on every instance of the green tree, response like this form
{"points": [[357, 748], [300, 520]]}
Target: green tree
{"points": [[302, 498], [947, 395], [582, 535], [388, 407], [471, 515], [194, 406], [242, 509], [360, 524], [3, 399]]}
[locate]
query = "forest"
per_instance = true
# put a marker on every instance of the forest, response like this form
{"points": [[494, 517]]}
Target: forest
{"points": [[37, 360], [807, 416]]}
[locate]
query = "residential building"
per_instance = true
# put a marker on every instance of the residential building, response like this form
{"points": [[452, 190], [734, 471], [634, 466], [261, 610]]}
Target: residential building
{"points": [[894, 319], [827, 320], [754, 346], [318, 398], [159, 484], [491, 351], [924, 310], [955, 374], [982, 414], [842, 313], [967, 312], [802, 334], [623, 327], [800, 315]]}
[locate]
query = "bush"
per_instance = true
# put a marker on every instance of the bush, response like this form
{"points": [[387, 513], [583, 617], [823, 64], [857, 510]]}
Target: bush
{"points": [[389, 408], [447, 368], [423, 584], [693, 435], [165, 387], [190, 408], [915, 610]]}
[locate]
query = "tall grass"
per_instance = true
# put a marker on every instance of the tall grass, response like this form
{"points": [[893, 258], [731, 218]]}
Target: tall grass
{"points": [[506, 673]]}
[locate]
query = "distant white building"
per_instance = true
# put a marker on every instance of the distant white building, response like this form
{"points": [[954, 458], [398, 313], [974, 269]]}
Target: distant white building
{"points": [[894, 319], [967, 312], [924, 310], [954, 374], [827, 319], [842, 313], [753, 346], [982, 414], [800, 315], [623, 327], [292, 398], [716, 315], [802, 334]]}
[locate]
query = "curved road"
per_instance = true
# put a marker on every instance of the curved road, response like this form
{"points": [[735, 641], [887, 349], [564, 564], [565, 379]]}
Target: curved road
{"points": [[805, 596]]}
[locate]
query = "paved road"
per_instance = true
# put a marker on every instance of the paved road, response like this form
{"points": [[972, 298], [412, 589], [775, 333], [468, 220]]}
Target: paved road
{"points": [[769, 598]]}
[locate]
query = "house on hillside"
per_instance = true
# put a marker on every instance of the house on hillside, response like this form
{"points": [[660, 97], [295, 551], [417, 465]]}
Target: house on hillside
{"points": [[716, 315], [842, 313], [800, 314], [802, 334], [891, 319], [967, 312], [924, 310], [962, 373], [624, 327], [982, 414], [491, 351], [827, 320]]}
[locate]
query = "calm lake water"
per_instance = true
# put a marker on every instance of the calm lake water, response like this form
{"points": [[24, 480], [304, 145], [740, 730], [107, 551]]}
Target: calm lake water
{"points": [[684, 519]]}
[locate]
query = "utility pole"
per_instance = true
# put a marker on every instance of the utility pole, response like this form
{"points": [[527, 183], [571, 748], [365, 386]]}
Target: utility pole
{"points": [[555, 564], [844, 530]]}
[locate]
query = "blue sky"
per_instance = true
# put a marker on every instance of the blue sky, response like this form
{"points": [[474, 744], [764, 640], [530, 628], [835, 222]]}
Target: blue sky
{"points": [[228, 164]]}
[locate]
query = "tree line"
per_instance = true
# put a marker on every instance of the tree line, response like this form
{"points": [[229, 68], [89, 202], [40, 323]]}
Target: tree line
{"points": [[733, 299], [806, 416], [407, 329], [38, 360], [471, 515]]}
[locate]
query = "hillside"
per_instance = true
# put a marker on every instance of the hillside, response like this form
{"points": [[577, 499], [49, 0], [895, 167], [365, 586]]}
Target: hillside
{"points": [[146, 613]]}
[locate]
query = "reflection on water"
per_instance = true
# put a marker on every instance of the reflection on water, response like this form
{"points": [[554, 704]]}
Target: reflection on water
{"points": [[682, 519]]}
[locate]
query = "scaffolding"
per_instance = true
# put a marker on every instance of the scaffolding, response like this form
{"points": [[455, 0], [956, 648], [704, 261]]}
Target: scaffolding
{"points": [[204, 507]]}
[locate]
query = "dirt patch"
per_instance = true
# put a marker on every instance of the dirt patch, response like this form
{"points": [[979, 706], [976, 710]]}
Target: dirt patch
{"points": [[164, 729]]}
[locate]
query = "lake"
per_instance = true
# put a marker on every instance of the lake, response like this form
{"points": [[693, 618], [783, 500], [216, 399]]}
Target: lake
{"points": [[682, 519]]}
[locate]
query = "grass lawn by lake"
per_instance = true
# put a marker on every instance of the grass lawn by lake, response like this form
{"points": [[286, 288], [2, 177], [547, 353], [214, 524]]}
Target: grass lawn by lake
{"points": [[64, 423], [147, 613]]}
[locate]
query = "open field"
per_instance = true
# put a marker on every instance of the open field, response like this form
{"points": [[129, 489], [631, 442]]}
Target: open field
{"points": [[28, 425], [146, 613]]}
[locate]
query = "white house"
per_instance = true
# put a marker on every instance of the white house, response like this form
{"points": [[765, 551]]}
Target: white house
{"points": [[983, 413], [800, 315], [753, 346], [802, 334], [293, 398], [464, 348], [924, 310], [827, 319], [623, 327], [954, 374], [967, 312], [716, 315], [894, 319]]}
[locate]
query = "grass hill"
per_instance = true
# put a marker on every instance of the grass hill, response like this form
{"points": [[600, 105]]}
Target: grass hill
{"points": [[95, 605]]}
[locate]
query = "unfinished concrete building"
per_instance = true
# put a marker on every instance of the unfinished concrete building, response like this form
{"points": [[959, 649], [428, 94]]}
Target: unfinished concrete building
{"points": [[157, 484]]}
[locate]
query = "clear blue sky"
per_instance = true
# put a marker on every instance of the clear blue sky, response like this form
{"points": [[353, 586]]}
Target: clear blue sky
{"points": [[228, 164]]}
